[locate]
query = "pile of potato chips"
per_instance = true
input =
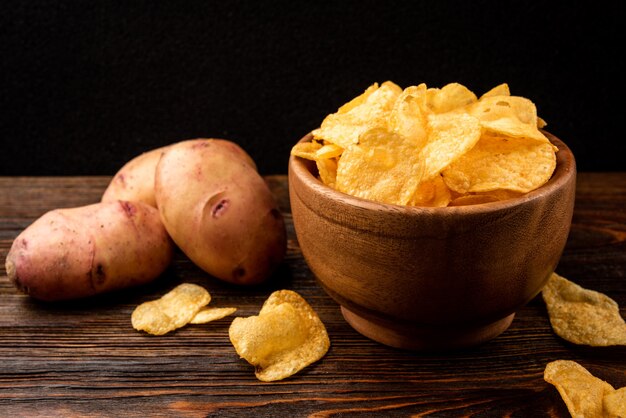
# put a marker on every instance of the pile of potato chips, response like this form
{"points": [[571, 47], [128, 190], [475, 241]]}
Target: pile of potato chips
{"points": [[432, 147]]}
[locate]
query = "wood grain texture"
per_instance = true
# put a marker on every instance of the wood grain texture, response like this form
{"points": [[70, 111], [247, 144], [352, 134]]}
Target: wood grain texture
{"points": [[83, 358]]}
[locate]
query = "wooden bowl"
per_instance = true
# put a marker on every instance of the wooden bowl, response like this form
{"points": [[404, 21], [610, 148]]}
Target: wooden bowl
{"points": [[432, 278]]}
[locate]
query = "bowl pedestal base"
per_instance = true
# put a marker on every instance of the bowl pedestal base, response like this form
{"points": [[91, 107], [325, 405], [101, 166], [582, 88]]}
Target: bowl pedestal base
{"points": [[425, 338]]}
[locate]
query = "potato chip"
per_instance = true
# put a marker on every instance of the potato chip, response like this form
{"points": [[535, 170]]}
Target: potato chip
{"points": [[499, 90], [408, 117], [306, 150], [383, 167], [583, 316], [327, 169], [450, 136], [172, 311], [358, 100], [207, 315], [450, 97], [614, 404], [328, 151], [433, 193], [284, 338], [502, 163], [582, 392], [541, 123], [344, 127], [509, 116]]}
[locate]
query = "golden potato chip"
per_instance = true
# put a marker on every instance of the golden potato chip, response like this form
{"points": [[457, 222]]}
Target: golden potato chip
{"points": [[450, 136], [306, 150], [383, 167], [408, 117], [541, 123], [328, 151], [499, 90], [509, 116], [358, 100], [582, 392], [173, 310], [583, 316], [206, 315], [345, 127], [433, 192], [284, 338], [501, 163], [614, 404], [450, 97], [327, 169], [324, 157]]}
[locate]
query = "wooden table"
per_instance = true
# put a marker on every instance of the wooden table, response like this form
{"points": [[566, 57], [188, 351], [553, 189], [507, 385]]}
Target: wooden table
{"points": [[84, 359]]}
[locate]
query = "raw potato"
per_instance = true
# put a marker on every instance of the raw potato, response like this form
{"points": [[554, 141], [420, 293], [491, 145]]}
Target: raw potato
{"points": [[135, 180], [219, 210], [79, 252]]}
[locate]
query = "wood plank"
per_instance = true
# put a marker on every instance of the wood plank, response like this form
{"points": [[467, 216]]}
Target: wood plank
{"points": [[83, 358]]}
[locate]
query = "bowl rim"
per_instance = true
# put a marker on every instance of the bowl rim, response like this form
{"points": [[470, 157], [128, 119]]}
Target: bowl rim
{"points": [[565, 168]]}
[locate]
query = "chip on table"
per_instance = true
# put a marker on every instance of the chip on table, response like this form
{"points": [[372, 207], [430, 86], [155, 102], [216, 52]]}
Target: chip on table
{"points": [[286, 336], [583, 316], [584, 394], [185, 304]]}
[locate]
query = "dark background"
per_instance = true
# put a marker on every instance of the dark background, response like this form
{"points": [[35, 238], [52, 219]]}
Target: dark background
{"points": [[86, 86]]}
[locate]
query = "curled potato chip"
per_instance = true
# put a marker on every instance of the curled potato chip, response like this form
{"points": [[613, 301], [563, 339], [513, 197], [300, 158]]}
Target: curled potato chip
{"points": [[450, 97], [433, 193], [358, 100], [408, 117], [510, 116], [582, 392], [284, 338], [306, 150], [344, 127], [541, 123], [614, 404], [328, 151], [583, 316], [327, 169], [207, 315], [173, 310], [382, 167], [502, 163], [450, 136], [499, 90]]}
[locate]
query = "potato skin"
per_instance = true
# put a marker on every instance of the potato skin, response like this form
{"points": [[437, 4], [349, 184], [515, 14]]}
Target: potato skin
{"points": [[80, 252], [135, 180], [219, 210]]}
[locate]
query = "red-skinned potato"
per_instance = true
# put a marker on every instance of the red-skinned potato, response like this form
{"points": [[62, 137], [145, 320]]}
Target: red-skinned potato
{"points": [[219, 211], [80, 252], [135, 180]]}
